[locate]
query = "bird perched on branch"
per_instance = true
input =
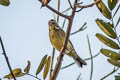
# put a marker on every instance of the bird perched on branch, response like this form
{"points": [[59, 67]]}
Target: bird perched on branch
{"points": [[57, 36]]}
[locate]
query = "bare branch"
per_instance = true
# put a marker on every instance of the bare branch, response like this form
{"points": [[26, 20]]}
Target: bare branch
{"points": [[113, 71], [91, 58], [89, 5], [51, 68], [58, 9], [55, 11], [81, 29], [70, 4], [84, 59], [59, 62], [33, 76], [6, 58]]}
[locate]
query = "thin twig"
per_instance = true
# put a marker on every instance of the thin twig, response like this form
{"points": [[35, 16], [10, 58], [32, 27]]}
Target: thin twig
{"points": [[58, 64], [91, 58], [58, 9], [6, 58], [81, 28], [55, 11], [117, 22], [84, 59], [79, 76], [64, 23], [70, 4], [33, 76], [70, 7], [66, 10], [116, 11], [115, 31], [68, 65], [113, 71], [51, 68], [89, 5], [79, 10]]}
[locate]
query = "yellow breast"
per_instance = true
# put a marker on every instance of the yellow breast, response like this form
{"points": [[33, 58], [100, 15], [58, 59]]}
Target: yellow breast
{"points": [[56, 39]]}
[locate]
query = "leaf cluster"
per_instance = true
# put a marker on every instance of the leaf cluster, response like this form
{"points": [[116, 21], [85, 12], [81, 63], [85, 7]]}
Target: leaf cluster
{"points": [[111, 39], [44, 64]]}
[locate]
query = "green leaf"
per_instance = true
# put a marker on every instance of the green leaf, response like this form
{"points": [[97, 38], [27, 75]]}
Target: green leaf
{"points": [[47, 67], [117, 77], [42, 63], [107, 41], [106, 28], [114, 62], [27, 69], [5, 2], [104, 10], [16, 73], [110, 54], [112, 4]]}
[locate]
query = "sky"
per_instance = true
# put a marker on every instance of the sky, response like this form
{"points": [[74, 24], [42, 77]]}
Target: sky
{"points": [[24, 31]]}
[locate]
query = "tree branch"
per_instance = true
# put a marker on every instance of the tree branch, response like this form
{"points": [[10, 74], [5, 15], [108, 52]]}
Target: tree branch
{"points": [[58, 9], [6, 58], [113, 71], [91, 58], [70, 4], [84, 59], [33, 76], [51, 68], [55, 11], [89, 5], [59, 62]]}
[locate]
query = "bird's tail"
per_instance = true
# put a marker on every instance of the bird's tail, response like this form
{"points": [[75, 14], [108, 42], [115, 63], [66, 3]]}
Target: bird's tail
{"points": [[80, 62]]}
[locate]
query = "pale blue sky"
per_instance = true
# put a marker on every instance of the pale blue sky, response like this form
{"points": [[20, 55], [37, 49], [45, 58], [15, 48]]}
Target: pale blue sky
{"points": [[24, 31]]}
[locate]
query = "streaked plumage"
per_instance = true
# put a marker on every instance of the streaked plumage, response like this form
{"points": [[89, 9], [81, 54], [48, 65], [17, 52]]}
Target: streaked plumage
{"points": [[57, 35]]}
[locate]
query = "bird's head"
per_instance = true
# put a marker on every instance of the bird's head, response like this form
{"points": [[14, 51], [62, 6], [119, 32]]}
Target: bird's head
{"points": [[53, 25]]}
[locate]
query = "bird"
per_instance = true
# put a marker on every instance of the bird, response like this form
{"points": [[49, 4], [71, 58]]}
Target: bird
{"points": [[57, 36]]}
